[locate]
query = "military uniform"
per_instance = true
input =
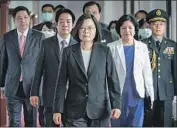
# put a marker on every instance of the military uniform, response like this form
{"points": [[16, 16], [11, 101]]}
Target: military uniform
{"points": [[162, 54]]}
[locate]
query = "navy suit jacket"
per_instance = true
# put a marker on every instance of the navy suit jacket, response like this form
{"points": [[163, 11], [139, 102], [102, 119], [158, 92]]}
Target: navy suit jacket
{"points": [[12, 64], [87, 91], [47, 66]]}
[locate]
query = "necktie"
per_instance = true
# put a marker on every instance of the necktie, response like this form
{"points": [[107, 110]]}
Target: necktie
{"points": [[63, 45], [22, 46], [158, 45]]}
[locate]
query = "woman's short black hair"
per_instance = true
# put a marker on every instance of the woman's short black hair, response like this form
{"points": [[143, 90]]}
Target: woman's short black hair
{"points": [[49, 25], [20, 8], [64, 10], [84, 16], [110, 24], [127, 18]]}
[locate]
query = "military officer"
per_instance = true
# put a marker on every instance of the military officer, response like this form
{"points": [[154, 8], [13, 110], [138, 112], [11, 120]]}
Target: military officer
{"points": [[162, 53]]}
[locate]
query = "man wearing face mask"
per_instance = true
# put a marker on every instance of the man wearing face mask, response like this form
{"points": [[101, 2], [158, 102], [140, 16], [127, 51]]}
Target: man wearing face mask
{"points": [[47, 15], [162, 52], [48, 63]]}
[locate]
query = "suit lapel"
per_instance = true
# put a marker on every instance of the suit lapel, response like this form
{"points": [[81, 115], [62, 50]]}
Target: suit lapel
{"points": [[120, 50], [16, 42], [72, 41], [79, 59], [153, 45], [137, 54], [56, 48], [28, 41], [56, 45], [163, 45], [93, 58]]}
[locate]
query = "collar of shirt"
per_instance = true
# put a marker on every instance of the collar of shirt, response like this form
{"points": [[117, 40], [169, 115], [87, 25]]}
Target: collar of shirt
{"points": [[156, 39], [61, 39], [19, 33]]}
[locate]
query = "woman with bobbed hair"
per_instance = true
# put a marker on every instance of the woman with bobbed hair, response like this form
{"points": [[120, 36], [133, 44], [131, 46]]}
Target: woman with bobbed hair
{"points": [[134, 71], [93, 94]]}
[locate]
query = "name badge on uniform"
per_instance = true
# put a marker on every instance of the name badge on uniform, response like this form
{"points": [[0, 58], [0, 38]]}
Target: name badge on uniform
{"points": [[169, 50]]}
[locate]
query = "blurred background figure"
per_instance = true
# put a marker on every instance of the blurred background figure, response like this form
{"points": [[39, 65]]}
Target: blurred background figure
{"points": [[141, 14], [49, 29], [47, 15], [58, 7], [112, 29], [95, 9], [144, 30]]}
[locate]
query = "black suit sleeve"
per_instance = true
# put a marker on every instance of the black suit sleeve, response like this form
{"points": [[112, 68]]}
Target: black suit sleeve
{"points": [[60, 90], [175, 71], [38, 72], [3, 63], [113, 82]]}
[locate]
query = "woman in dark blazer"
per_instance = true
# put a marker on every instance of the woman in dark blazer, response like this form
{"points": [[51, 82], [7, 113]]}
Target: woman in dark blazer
{"points": [[87, 66]]}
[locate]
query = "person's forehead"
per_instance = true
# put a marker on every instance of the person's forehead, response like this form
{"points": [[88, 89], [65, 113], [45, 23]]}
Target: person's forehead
{"points": [[47, 8], [65, 16], [127, 22], [113, 24], [21, 13], [92, 8], [140, 14], [158, 21], [88, 22]]}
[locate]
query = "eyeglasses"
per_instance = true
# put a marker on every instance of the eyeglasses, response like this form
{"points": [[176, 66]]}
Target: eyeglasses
{"points": [[87, 28]]}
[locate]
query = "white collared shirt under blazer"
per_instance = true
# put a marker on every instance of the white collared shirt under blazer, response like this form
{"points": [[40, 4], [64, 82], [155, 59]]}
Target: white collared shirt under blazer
{"points": [[142, 68]]}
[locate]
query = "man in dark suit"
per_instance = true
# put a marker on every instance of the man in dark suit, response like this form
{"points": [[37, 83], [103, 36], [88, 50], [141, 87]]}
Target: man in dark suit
{"points": [[47, 15], [162, 53], [18, 60], [48, 62], [86, 67], [95, 9]]}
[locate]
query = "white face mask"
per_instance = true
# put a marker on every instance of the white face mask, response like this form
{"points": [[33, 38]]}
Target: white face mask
{"points": [[113, 30], [48, 33], [138, 20], [144, 33]]}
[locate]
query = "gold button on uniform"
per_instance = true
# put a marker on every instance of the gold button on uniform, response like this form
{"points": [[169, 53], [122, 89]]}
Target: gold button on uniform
{"points": [[171, 82], [158, 58], [158, 76], [158, 64], [159, 70]]}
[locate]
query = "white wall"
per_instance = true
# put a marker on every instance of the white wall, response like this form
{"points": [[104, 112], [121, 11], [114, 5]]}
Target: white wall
{"points": [[28, 4]]}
